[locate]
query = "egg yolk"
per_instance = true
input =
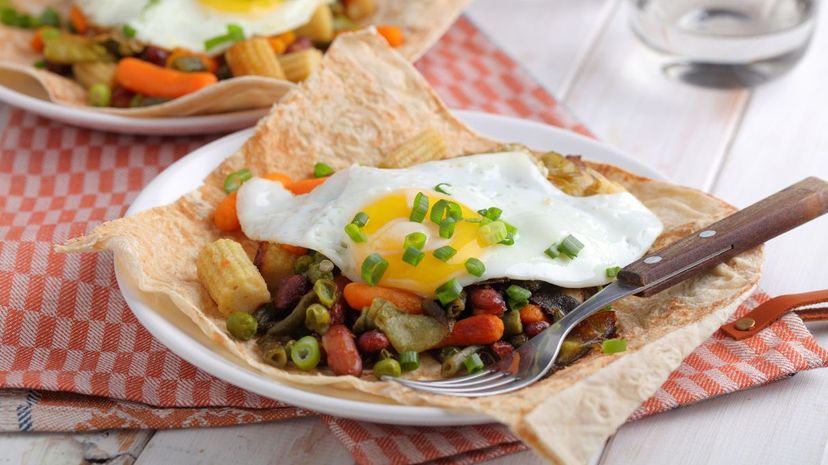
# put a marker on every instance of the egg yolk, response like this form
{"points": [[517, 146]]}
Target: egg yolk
{"points": [[387, 227], [241, 6]]}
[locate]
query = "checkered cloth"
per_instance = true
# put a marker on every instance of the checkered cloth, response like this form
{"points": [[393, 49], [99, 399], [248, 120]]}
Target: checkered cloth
{"points": [[64, 325]]}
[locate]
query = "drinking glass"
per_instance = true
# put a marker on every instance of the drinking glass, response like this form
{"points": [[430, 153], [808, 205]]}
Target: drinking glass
{"points": [[725, 43]]}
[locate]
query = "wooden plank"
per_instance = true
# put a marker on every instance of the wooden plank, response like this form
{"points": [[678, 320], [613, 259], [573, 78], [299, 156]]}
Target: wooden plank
{"points": [[621, 94], [110, 447]]}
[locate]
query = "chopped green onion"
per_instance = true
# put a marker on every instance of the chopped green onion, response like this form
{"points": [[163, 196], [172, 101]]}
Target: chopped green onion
{"points": [[409, 360], [234, 34], [8, 16], [492, 213], [570, 246], [418, 212], [325, 291], [39, 64], [49, 17], [413, 256], [552, 251], [129, 31], [439, 188], [444, 253], [360, 219], [387, 367], [305, 353], [475, 267], [373, 268], [235, 180], [448, 292], [317, 318], [612, 272], [416, 240], [445, 209], [447, 228], [473, 363], [49, 33], [519, 294], [613, 346], [320, 170], [492, 233]]}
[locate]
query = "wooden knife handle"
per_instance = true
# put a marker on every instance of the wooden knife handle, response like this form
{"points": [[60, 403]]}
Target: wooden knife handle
{"points": [[733, 235]]}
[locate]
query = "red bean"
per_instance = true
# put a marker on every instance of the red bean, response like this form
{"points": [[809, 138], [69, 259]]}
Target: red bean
{"points": [[121, 97], [155, 55], [533, 329], [291, 289], [486, 300], [341, 350], [58, 68], [502, 348], [301, 43], [371, 342]]}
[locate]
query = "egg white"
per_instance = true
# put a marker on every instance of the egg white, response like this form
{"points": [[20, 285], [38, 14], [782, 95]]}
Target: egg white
{"points": [[188, 24], [616, 229]]}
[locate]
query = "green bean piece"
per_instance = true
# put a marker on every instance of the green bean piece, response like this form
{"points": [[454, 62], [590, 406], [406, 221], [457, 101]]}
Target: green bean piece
{"points": [[295, 320], [511, 323], [409, 361], [100, 95], [317, 318], [325, 290], [519, 339], [242, 325], [453, 364], [275, 353], [447, 352], [302, 264], [305, 353], [473, 363], [387, 367]]}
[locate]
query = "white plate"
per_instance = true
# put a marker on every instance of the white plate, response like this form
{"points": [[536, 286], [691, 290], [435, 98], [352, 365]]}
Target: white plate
{"points": [[183, 338], [89, 118]]}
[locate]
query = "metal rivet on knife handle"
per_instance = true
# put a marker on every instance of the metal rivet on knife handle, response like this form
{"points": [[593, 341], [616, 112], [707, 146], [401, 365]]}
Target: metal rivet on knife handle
{"points": [[707, 233], [652, 260], [744, 324]]}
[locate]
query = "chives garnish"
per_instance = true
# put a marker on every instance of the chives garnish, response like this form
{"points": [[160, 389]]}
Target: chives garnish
{"points": [[235, 33], [612, 272], [447, 228], [492, 213], [570, 246], [444, 253], [413, 256], [356, 235], [415, 239], [492, 233], [234, 180], [360, 219], [373, 268], [445, 209], [49, 17], [613, 346], [449, 291], [475, 267], [409, 360], [439, 188], [552, 251], [473, 363], [129, 31], [320, 170], [520, 295], [418, 212]]}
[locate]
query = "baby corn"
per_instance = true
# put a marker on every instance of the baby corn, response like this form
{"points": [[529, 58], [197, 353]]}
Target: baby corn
{"points": [[230, 277], [298, 66], [274, 263], [320, 28], [254, 57], [425, 146]]}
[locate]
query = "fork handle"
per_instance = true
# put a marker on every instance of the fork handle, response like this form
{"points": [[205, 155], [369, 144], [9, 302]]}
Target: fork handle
{"points": [[728, 237]]}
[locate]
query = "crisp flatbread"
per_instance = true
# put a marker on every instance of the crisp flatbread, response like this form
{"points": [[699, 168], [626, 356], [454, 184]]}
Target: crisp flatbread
{"points": [[422, 23], [364, 101]]}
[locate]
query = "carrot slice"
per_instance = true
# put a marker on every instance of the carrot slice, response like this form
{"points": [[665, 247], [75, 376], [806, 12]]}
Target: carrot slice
{"points": [[305, 185], [225, 217], [279, 177], [531, 313], [37, 41], [148, 79], [392, 34], [477, 329], [359, 296], [294, 249], [78, 20]]}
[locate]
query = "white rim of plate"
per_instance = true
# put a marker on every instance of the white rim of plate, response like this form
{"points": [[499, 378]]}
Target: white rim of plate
{"points": [[530, 133]]}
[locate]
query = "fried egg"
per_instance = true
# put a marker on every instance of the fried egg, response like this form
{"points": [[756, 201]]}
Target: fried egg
{"points": [[615, 229], [189, 23]]}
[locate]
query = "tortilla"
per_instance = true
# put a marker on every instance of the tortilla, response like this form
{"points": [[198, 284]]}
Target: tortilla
{"points": [[363, 102], [422, 23]]}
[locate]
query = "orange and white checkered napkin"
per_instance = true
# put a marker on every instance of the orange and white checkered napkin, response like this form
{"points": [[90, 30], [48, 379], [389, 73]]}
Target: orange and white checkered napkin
{"points": [[65, 327]]}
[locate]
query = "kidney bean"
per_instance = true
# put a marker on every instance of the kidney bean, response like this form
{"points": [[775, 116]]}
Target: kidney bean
{"points": [[343, 355], [533, 329], [487, 300], [301, 43], [502, 348], [291, 289], [155, 55], [57, 68], [121, 97], [371, 342]]}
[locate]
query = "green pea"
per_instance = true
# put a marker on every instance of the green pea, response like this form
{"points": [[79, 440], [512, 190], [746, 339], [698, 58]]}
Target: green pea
{"points": [[242, 325], [305, 353], [317, 318], [100, 95], [511, 323], [325, 290], [387, 367]]}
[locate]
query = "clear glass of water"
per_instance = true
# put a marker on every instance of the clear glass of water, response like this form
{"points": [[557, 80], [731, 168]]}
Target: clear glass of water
{"points": [[725, 43]]}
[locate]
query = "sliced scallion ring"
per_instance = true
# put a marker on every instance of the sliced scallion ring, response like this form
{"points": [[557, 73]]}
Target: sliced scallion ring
{"points": [[570, 246], [420, 208], [612, 271], [492, 233], [415, 239], [409, 360], [356, 234], [444, 253], [439, 188], [473, 363], [475, 267], [360, 219], [449, 291], [413, 256], [373, 268]]}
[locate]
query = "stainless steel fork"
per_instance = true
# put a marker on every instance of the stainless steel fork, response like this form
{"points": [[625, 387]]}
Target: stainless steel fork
{"points": [[655, 272]]}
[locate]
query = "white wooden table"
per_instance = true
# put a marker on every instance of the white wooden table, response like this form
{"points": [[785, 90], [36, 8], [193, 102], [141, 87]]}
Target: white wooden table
{"points": [[738, 144]]}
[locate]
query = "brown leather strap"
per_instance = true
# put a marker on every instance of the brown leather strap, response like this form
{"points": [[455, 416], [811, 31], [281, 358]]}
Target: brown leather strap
{"points": [[760, 317]]}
